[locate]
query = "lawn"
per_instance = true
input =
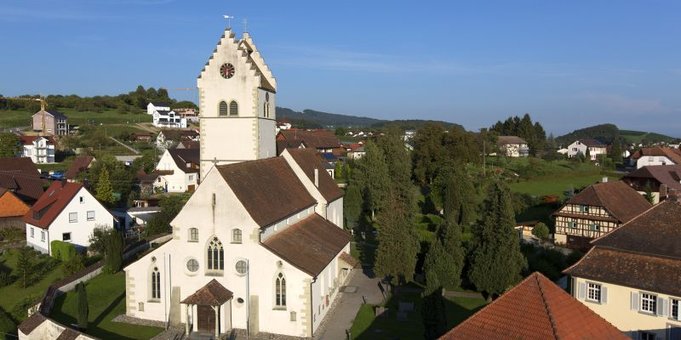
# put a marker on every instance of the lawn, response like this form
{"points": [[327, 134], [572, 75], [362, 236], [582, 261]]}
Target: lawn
{"points": [[23, 118], [106, 300], [367, 326], [555, 185], [14, 295]]}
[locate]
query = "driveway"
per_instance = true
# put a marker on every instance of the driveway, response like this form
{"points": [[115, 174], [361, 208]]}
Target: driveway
{"points": [[358, 288]]}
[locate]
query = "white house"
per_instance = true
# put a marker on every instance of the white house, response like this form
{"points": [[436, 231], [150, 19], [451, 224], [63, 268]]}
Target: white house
{"points": [[631, 276], [158, 106], [39, 149], [513, 146], [658, 155], [260, 245], [178, 170], [592, 147], [65, 212], [169, 137]]}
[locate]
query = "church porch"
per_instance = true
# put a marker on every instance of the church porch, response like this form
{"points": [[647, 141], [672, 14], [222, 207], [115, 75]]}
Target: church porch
{"points": [[208, 312]]}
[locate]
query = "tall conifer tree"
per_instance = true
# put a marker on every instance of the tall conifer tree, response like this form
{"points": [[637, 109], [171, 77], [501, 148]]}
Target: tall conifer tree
{"points": [[496, 261]]}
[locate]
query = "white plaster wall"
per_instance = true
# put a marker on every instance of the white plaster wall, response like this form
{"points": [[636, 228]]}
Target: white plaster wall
{"points": [[229, 213], [36, 241], [335, 212], [80, 231], [617, 310], [179, 181], [326, 287], [575, 148], [652, 160]]}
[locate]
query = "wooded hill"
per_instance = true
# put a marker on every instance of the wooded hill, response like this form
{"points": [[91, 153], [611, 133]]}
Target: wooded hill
{"points": [[311, 118], [607, 133]]}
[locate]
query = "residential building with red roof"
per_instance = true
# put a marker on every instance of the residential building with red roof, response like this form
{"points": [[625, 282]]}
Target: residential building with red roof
{"points": [[596, 211], [39, 149], [631, 276], [323, 141], [79, 165], [65, 212], [660, 180], [536, 308], [658, 155], [178, 170], [513, 146], [20, 176], [12, 209]]}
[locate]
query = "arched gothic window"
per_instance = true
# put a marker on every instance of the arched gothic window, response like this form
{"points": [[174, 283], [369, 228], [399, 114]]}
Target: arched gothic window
{"points": [[155, 284], [236, 235], [222, 109], [233, 108], [280, 290], [216, 255]]}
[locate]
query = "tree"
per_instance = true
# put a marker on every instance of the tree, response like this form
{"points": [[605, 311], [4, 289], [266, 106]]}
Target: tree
{"points": [[541, 231], [428, 152], [82, 305], [496, 261], [434, 315], [113, 252], [104, 191], [398, 243], [170, 207], [648, 193], [352, 205], [399, 166], [373, 176], [25, 265], [9, 145], [454, 191]]}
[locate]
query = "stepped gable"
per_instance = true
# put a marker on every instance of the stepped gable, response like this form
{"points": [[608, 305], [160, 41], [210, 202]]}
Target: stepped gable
{"points": [[309, 160], [51, 203], [536, 308], [620, 200], [268, 189], [309, 245]]}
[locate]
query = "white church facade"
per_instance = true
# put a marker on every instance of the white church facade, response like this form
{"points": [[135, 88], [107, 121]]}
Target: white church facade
{"points": [[260, 245]]}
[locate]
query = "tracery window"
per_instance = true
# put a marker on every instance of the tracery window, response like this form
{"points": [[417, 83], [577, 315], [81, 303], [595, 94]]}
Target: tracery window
{"points": [[216, 255]]}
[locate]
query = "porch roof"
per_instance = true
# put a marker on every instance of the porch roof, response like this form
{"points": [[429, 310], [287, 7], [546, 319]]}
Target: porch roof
{"points": [[212, 294]]}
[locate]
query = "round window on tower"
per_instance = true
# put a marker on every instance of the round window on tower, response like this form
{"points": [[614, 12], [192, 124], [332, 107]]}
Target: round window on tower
{"points": [[241, 267], [192, 265]]}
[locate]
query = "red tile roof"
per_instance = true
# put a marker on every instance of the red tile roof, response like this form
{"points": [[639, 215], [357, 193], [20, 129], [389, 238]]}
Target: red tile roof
{"points": [[309, 160], [10, 205], [618, 198], [535, 309], [28, 140], [51, 203], [314, 139], [212, 294], [30, 324], [669, 175], [186, 160], [79, 165], [504, 140], [309, 245], [268, 189]]}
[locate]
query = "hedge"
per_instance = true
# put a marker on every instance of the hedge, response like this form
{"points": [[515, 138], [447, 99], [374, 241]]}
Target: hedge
{"points": [[63, 251]]}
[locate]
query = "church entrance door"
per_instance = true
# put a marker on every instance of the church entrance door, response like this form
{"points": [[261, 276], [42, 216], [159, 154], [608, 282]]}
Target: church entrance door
{"points": [[206, 318]]}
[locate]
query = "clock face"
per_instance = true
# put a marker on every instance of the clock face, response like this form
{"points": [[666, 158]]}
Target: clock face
{"points": [[227, 71]]}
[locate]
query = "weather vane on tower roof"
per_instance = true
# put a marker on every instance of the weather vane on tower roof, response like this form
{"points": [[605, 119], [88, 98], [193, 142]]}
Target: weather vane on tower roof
{"points": [[229, 20]]}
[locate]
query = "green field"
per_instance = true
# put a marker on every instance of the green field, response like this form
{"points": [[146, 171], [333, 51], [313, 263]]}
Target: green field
{"points": [[555, 185], [106, 300], [23, 118], [639, 136]]}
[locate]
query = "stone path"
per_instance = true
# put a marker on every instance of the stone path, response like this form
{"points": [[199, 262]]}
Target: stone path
{"points": [[345, 308]]}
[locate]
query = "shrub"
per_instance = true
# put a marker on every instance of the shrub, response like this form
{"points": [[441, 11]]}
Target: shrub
{"points": [[541, 231], [74, 265], [63, 251]]}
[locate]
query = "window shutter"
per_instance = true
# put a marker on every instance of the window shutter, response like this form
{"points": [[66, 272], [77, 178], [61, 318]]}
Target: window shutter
{"points": [[634, 301], [604, 294], [661, 306], [581, 289]]}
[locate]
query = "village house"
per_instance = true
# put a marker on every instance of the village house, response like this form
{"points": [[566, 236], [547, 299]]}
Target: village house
{"points": [[144, 137], [21, 177], [188, 144], [631, 276], [166, 139], [50, 123], [355, 151], [65, 212], [168, 119], [658, 155], [596, 211], [178, 170], [157, 106], [587, 147], [658, 180], [12, 210], [323, 141], [260, 245], [39, 149], [79, 165], [535, 308], [513, 146]]}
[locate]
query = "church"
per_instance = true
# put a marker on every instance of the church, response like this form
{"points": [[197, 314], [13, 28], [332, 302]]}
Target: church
{"points": [[260, 245]]}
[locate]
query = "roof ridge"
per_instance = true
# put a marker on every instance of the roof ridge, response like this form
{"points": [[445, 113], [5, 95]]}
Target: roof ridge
{"points": [[627, 222], [552, 321]]}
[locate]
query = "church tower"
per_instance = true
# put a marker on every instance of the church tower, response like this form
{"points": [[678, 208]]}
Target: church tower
{"points": [[237, 104]]}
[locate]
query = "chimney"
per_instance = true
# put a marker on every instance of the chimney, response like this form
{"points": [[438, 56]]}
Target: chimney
{"points": [[605, 179], [663, 191], [673, 195], [316, 177]]}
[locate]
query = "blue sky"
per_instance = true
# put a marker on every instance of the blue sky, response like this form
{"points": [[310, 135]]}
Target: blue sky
{"points": [[569, 64]]}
